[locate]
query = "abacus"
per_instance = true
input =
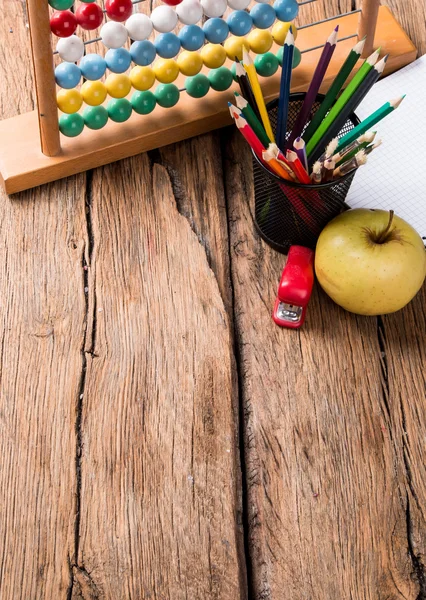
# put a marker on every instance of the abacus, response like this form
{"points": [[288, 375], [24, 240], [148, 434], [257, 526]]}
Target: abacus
{"points": [[160, 78]]}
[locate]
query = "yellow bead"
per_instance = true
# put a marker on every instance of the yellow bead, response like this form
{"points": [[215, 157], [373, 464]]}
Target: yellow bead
{"points": [[189, 63], [213, 55], [142, 78], [69, 101], [166, 70], [93, 92], [260, 40], [279, 31], [234, 47], [118, 85]]}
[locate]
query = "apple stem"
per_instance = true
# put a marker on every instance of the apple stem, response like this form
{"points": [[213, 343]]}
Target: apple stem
{"points": [[382, 236]]}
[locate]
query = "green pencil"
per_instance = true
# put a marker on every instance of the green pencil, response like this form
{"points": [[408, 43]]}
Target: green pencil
{"points": [[335, 88], [369, 122], [343, 99], [252, 120]]}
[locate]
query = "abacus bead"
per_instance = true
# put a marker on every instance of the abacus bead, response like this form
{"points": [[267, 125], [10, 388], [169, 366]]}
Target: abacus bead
{"points": [[70, 49], [189, 12], [238, 4], [61, 4], [142, 78], [143, 53], [297, 57], [143, 102], [280, 29], [95, 117], [139, 27], [234, 47], [266, 64], [118, 60], [260, 40], [172, 2], [279, 55], [118, 86], [216, 30], [213, 55], [167, 95], [263, 15], [93, 92], [119, 10], [67, 75], [189, 63], [119, 110], [89, 16], [220, 79], [197, 86], [93, 66], [166, 70], [191, 37], [167, 45], [114, 35], [214, 8], [69, 101], [88, 1], [286, 10], [63, 23], [239, 22], [71, 125], [164, 18]]}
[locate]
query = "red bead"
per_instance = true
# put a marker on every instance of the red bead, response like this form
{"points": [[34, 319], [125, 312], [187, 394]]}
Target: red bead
{"points": [[172, 2], [63, 23], [119, 10], [89, 16]]}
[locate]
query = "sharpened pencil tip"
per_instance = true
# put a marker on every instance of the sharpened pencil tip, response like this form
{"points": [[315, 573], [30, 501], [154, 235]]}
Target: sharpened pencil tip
{"points": [[336, 28]]}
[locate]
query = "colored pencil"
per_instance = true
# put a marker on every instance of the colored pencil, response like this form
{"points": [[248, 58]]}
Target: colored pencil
{"points": [[297, 167], [335, 88], [245, 87], [311, 94], [366, 67], [299, 148], [316, 175], [280, 157], [370, 121], [329, 166], [351, 105], [246, 130], [285, 84], [369, 149], [275, 165], [257, 92], [252, 120], [359, 159], [331, 148], [363, 140]]}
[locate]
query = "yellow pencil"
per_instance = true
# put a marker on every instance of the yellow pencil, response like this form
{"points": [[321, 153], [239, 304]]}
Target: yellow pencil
{"points": [[257, 92]]}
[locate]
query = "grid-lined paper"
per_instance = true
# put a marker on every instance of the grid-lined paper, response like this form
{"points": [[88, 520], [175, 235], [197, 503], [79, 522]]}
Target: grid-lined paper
{"points": [[394, 176]]}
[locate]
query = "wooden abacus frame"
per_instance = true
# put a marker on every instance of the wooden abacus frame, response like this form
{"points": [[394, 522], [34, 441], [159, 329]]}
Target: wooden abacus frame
{"points": [[33, 152]]}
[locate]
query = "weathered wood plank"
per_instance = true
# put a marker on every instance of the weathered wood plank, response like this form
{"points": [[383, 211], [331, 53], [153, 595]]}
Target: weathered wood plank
{"points": [[160, 475]]}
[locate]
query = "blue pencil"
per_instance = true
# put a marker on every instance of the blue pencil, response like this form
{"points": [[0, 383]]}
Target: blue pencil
{"points": [[285, 88]]}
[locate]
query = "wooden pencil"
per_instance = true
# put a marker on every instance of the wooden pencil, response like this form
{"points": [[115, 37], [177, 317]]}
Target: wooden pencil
{"points": [[285, 85], [245, 87], [257, 92], [365, 139], [316, 175], [297, 167], [252, 119], [329, 166], [299, 148]]}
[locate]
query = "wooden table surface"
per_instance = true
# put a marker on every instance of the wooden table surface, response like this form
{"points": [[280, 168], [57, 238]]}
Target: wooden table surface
{"points": [[160, 438]]}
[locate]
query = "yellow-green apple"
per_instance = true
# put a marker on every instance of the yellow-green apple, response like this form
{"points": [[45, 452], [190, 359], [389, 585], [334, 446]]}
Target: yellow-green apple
{"points": [[370, 262]]}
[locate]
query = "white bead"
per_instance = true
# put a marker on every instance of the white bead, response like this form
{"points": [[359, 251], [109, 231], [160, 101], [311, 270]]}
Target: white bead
{"points": [[139, 27], [214, 8], [190, 12], [113, 34], [164, 18], [241, 4], [70, 49]]}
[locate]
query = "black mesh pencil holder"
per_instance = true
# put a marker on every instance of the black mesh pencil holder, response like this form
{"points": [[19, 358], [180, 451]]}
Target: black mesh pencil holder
{"points": [[288, 213]]}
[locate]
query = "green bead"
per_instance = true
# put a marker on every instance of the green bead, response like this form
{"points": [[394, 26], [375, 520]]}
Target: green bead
{"points": [[166, 94], [61, 4], [279, 55], [220, 79], [197, 86], [143, 102], [71, 125], [234, 71], [119, 110], [266, 64], [95, 117], [297, 57]]}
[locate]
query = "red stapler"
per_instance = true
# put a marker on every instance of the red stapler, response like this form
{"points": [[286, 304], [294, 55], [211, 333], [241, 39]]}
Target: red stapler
{"points": [[295, 288]]}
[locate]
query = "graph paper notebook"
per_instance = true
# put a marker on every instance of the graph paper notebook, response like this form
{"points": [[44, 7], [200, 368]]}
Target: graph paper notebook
{"points": [[382, 184]]}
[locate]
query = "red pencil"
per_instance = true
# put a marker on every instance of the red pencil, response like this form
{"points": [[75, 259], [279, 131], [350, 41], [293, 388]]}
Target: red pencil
{"points": [[297, 167], [246, 130]]}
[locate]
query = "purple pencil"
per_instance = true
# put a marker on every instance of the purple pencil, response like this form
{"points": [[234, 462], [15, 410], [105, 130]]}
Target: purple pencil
{"points": [[311, 94], [299, 148]]}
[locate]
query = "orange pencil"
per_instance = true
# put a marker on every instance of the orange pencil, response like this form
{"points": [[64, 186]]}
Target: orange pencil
{"points": [[274, 165]]}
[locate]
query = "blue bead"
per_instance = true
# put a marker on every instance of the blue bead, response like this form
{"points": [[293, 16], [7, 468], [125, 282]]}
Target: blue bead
{"points": [[118, 60], [67, 75], [263, 15], [191, 37], [286, 10], [143, 53], [93, 66], [167, 45], [240, 22], [216, 30]]}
